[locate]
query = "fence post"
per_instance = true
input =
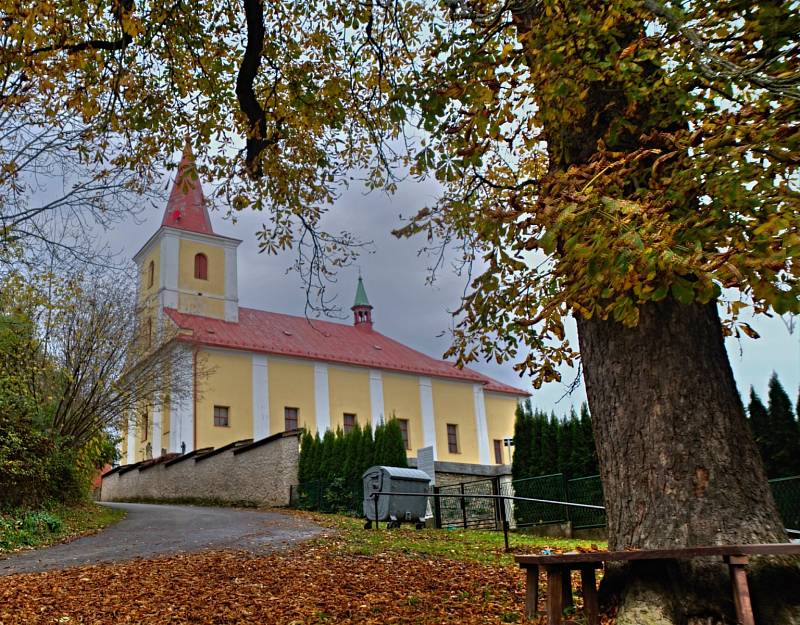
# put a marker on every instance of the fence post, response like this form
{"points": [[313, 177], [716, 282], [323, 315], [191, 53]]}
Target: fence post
{"points": [[463, 506], [504, 521], [564, 488], [437, 509], [498, 503]]}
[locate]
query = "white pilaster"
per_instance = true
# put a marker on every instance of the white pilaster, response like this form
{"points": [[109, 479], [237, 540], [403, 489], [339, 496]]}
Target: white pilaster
{"points": [[481, 425], [181, 409], [428, 417], [231, 286], [131, 455], [155, 439], [260, 397], [322, 397], [168, 270], [376, 397]]}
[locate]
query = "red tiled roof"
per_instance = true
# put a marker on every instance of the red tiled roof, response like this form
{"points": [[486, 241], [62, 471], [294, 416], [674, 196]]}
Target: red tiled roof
{"points": [[287, 335], [186, 208]]}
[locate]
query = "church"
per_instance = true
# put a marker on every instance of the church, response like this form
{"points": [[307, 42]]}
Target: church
{"points": [[269, 373]]}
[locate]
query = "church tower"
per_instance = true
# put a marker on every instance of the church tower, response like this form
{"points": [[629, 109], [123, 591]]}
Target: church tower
{"points": [[185, 265], [362, 309]]}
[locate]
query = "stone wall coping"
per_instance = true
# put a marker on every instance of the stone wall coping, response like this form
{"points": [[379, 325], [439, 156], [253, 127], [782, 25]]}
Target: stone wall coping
{"points": [[465, 468], [186, 456], [128, 467], [112, 471], [147, 464], [268, 439], [224, 448]]}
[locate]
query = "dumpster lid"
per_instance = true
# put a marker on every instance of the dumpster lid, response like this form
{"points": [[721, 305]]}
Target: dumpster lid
{"points": [[401, 472]]}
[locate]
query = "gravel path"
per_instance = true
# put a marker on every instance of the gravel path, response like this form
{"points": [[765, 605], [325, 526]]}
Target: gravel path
{"points": [[151, 530]]}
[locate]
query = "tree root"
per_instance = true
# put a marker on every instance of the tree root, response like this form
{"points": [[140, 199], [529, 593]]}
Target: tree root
{"points": [[699, 592]]}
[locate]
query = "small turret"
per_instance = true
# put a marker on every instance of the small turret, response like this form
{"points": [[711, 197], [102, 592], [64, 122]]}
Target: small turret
{"points": [[362, 309]]}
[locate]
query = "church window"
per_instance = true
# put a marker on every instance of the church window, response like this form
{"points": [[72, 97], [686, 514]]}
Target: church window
{"points": [[349, 421], [452, 438], [221, 416], [145, 425], [149, 331], [151, 274], [403, 423], [201, 267], [498, 451], [290, 418]]}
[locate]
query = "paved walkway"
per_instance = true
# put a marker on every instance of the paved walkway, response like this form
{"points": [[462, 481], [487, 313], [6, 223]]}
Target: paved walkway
{"points": [[150, 530]]}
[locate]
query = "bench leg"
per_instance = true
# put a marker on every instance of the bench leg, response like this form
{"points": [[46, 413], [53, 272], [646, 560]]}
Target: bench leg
{"points": [[566, 588], [555, 594], [589, 588], [531, 591], [741, 593]]}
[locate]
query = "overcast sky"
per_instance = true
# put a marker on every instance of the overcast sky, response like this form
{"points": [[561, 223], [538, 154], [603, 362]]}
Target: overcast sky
{"points": [[408, 310]]}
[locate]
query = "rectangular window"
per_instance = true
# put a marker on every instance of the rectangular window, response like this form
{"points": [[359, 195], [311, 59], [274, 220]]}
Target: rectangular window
{"points": [[221, 416], [403, 423], [290, 418], [498, 451], [349, 421], [452, 438], [145, 425]]}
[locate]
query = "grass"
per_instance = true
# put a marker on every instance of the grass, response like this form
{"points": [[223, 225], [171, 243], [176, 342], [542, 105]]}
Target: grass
{"points": [[483, 546], [21, 529]]}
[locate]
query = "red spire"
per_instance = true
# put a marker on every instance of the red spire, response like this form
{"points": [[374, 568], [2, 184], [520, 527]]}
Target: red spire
{"points": [[186, 208]]}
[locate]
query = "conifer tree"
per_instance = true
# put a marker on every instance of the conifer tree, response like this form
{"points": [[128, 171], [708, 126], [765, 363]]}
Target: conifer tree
{"points": [[394, 449], [523, 443], [304, 460], [327, 461], [758, 418], [591, 467], [580, 456], [537, 424], [366, 452], [564, 444], [784, 446], [549, 461]]}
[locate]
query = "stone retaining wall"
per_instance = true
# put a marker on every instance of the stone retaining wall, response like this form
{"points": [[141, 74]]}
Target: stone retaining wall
{"points": [[259, 472]]}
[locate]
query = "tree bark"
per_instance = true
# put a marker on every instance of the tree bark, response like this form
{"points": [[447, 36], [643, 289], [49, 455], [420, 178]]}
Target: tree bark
{"points": [[679, 465]]}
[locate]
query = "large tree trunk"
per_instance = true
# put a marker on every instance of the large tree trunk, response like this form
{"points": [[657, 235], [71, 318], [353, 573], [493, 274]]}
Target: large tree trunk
{"points": [[679, 464]]}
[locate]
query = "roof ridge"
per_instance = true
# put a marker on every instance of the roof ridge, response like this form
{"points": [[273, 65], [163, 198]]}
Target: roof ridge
{"points": [[426, 364]]}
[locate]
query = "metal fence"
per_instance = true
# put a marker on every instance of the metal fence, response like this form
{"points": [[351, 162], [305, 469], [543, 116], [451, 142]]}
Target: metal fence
{"points": [[469, 511], [786, 491]]}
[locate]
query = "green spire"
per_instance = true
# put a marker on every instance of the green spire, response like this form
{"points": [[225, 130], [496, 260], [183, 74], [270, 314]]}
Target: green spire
{"points": [[361, 295]]}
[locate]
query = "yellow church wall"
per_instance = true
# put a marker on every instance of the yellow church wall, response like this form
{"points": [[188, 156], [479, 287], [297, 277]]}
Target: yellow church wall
{"points": [[348, 391], [500, 416], [401, 399], [145, 290], [230, 384], [215, 285], [291, 384], [201, 305], [453, 402]]}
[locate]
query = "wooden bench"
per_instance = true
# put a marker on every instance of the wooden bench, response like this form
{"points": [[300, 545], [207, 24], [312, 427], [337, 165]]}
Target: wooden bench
{"points": [[558, 569]]}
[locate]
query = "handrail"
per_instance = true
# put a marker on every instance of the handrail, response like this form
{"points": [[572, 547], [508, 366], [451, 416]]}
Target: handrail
{"points": [[375, 494]]}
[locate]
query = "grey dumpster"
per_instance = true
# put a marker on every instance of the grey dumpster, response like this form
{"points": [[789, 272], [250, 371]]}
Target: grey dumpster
{"points": [[393, 508]]}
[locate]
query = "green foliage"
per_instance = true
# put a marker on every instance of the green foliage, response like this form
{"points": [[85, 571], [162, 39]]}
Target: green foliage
{"points": [[776, 430], [546, 445], [330, 468], [21, 527]]}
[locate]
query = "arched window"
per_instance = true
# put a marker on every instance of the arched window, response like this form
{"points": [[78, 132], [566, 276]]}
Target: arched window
{"points": [[200, 267], [151, 272], [149, 331]]}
